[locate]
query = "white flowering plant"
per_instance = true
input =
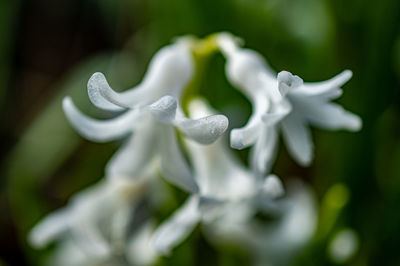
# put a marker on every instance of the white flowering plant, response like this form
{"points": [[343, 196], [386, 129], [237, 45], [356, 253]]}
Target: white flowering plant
{"points": [[170, 131]]}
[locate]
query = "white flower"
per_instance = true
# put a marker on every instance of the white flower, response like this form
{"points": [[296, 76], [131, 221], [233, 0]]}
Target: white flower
{"points": [[274, 242], [93, 227], [138, 252], [169, 71], [282, 103], [343, 246], [223, 184], [149, 119]]}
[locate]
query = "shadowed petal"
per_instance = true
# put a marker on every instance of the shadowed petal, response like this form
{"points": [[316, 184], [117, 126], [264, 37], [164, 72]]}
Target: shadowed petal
{"points": [[138, 249], [276, 115], [297, 139], [176, 228], [49, 229], [88, 237], [133, 157], [172, 163], [272, 187], [264, 151]]}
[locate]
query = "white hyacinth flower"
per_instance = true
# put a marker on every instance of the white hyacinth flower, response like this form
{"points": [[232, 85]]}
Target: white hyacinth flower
{"points": [[138, 252], [169, 71], [223, 184], [148, 119], [284, 103], [93, 227], [275, 242]]}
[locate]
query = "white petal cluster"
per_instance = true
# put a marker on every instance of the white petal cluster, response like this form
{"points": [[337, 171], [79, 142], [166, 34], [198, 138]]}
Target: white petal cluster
{"points": [[224, 184], [92, 228], [104, 225], [151, 113], [281, 103]]}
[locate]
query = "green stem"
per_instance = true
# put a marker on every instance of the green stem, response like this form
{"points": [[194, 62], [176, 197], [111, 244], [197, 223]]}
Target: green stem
{"points": [[203, 50]]}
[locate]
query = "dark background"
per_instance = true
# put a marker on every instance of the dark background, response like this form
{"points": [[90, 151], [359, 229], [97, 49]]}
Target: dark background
{"points": [[49, 49]]}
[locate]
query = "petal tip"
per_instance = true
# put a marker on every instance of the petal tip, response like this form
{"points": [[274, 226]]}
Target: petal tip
{"points": [[288, 81], [273, 186], [347, 74], [101, 94], [237, 140], [356, 124], [164, 109]]}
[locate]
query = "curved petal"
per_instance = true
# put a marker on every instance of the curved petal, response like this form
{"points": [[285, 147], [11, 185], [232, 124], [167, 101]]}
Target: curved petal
{"points": [[164, 110], [169, 71], [297, 139], [103, 96], [316, 88], [172, 163], [174, 230], [244, 137], [49, 229], [96, 130], [288, 82], [205, 130], [97, 87]]}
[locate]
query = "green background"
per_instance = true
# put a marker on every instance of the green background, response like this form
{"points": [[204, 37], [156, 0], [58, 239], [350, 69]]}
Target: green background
{"points": [[49, 49]]}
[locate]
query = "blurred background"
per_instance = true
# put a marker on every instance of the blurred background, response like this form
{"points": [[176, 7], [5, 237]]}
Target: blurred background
{"points": [[49, 49]]}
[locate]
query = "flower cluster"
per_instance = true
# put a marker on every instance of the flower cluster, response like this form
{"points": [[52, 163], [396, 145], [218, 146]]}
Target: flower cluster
{"points": [[106, 224]]}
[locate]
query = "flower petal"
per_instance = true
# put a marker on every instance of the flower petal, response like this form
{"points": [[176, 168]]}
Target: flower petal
{"points": [[171, 161], [49, 229], [103, 96], [138, 249], [176, 228], [276, 115], [164, 110], [316, 88], [97, 88], [264, 150], [272, 187], [68, 253], [333, 116], [297, 139], [205, 130], [288, 82], [134, 156], [88, 237], [244, 137], [169, 71], [96, 130]]}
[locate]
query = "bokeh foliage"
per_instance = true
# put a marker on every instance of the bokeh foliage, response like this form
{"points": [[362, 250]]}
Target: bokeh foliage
{"points": [[49, 49]]}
